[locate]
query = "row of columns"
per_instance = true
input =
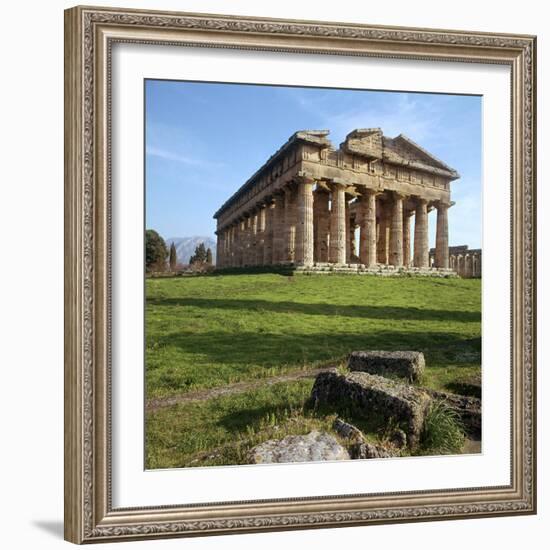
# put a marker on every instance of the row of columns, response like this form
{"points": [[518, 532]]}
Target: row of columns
{"points": [[466, 265], [302, 226]]}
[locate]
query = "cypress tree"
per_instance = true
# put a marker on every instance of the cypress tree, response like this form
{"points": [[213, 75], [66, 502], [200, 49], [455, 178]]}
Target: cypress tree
{"points": [[173, 257]]}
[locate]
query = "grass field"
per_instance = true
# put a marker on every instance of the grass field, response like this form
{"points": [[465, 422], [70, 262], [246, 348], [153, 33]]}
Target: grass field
{"points": [[216, 331]]}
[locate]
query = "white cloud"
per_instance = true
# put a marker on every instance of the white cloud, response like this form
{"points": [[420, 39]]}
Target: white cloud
{"points": [[160, 143], [170, 155], [405, 115], [401, 113]]}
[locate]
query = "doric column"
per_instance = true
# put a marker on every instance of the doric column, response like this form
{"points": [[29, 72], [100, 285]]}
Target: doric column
{"points": [[406, 238], [268, 236], [237, 245], [348, 231], [249, 243], [367, 238], [304, 222], [233, 235], [396, 234], [242, 240], [290, 225], [261, 235], [223, 247], [218, 249], [469, 266], [227, 247], [442, 236], [244, 243], [253, 236], [338, 225], [421, 246], [278, 227], [383, 233], [321, 225]]}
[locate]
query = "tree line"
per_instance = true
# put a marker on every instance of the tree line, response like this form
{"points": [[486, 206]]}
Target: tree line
{"points": [[159, 258]]}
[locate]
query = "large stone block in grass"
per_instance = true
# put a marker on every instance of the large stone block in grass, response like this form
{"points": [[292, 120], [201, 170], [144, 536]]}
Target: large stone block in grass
{"points": [[315, 446], [403, 364], [376, 397]]}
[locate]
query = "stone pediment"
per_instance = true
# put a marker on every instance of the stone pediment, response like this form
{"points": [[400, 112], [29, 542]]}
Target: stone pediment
{"points": [[371, 144], [366, 142], [403, 150]]}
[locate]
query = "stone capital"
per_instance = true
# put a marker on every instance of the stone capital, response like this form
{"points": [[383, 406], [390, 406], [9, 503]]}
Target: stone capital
{"points": [[303, 177], [337, 184], [419, 199], [368, 191], [399, 195]]}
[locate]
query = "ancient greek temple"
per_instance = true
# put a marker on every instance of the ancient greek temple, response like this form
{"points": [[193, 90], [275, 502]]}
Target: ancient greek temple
{"points": [[465, 261], [314, 206]]}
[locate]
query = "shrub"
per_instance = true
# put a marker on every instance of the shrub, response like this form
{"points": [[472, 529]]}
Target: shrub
{"points": [[443, 431]]}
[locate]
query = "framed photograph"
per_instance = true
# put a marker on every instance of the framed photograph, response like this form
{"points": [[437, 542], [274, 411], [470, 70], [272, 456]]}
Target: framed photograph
{"points": [[300, 274]]}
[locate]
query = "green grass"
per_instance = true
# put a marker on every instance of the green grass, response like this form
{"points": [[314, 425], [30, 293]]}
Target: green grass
{"points": [[215, 330], [211, 331], [443, 431], [221, 430]]}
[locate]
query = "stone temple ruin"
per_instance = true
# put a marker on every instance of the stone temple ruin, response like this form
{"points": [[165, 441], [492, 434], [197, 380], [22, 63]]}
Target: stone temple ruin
{"points": [[465, 261], [303, 207]]}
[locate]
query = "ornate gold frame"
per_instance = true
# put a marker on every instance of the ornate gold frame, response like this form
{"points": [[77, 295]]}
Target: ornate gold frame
{"points": [[89, 35]]}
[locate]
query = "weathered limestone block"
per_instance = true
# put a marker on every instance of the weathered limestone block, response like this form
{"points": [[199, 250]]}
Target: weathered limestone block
{"points": [[368, 450], [348, 431], [359, 447], [399, 439], [364, 141], [371, 395], [315, 446], [468, 408], [404, 364]]}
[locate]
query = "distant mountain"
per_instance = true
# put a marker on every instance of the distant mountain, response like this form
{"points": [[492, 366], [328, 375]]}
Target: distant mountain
{"points": [[185, 246]]}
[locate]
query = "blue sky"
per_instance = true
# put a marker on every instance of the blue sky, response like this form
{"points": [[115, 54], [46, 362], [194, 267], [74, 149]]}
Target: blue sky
{"points": [[204, 140]]}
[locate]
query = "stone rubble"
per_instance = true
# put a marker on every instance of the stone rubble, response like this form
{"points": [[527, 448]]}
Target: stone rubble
{"points": [[313, 447], [403, 364], [369, 394]]}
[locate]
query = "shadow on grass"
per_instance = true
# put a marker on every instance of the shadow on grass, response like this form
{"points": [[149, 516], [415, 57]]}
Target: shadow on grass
{"points": [[273, 350], [345, 310], [465, 388], [239, 421]]}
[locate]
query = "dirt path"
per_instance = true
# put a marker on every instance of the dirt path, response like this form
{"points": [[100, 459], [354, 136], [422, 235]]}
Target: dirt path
{"points": [[202, 395]]}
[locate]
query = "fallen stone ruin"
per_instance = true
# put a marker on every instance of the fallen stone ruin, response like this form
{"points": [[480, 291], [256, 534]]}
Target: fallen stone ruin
{"points": [[376, 384], [368, 394], [315, 446], [403, 364]]}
